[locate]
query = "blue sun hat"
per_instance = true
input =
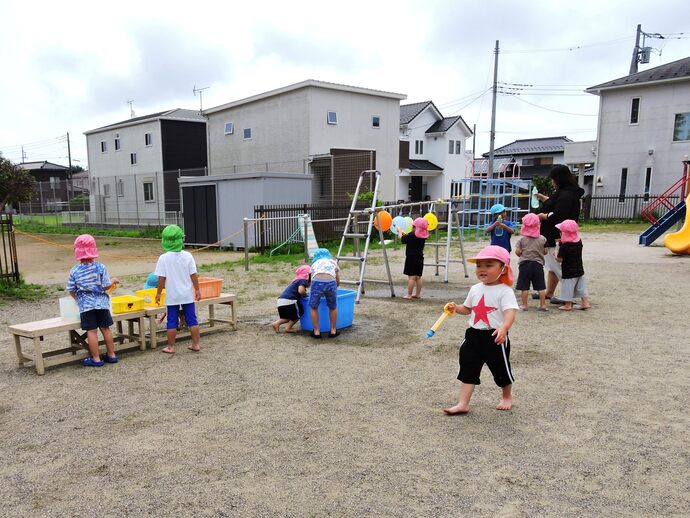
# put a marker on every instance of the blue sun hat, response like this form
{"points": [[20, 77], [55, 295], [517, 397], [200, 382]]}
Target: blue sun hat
{"points": [[151, 281], [321, 253], [497, 208]]}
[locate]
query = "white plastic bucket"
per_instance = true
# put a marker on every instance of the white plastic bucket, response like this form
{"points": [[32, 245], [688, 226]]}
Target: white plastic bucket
{"points": [[69, 310]]}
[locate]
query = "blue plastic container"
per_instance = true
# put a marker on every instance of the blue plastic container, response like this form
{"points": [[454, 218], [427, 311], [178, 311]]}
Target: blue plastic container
{"points": [[346, 312]]}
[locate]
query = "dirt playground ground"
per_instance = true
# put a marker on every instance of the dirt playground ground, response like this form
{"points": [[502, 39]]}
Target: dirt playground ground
{"points": [[265, 424]]}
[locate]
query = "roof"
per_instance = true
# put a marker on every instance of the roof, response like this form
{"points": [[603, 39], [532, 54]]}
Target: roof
{"points": [[443, 125], [423, 165], [174, 114], [410, 111], [674, 71], [43, 164], [531, 146], [313, 83]]}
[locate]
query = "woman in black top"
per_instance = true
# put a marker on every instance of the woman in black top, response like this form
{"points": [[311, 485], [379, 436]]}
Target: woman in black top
{"points": [[563, 204]]}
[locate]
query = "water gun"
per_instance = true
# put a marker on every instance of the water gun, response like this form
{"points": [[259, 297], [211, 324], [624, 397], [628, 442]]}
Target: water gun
{"points": [[446, 313], [112, 288]]}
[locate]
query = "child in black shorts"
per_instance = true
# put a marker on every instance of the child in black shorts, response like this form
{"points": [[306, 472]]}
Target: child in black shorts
{"points": [[290, 308], [531, 249], [492, 306]]}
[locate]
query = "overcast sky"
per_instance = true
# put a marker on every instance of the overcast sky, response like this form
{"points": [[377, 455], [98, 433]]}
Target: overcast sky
{"points": [[72, 66]]}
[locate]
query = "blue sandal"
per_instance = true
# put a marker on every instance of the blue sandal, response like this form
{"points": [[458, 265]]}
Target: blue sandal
{"points": [[110, 359], [90, 362]]}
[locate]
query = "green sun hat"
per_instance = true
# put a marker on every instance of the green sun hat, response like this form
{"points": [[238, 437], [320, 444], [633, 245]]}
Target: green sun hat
{"points": [[172, 239]]}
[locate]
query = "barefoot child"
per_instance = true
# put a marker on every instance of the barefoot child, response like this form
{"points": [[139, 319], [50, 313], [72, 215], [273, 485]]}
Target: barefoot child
{"points": [[176, 271], [414, 256], [531, 249], [569, 254], [325, 277], [492, 306], [88, 283], [290, 308]]}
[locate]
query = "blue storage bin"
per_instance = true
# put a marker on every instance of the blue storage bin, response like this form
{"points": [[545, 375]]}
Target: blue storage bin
{"points": [[346, 312]]}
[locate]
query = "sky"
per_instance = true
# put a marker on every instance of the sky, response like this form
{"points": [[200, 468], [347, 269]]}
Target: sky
{"points": [[69, 67]]}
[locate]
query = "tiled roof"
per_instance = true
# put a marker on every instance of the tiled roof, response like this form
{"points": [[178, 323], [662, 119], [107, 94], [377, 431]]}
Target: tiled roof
{"points": [[43, 164], [675, 70], [531, 146], [410, 111], [423, 165], [443, 125], [175, 113]]}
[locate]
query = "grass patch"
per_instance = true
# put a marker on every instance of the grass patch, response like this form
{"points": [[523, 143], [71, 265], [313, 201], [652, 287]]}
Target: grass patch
{"points": [[613, 226], [11, 291], [35, 227]]}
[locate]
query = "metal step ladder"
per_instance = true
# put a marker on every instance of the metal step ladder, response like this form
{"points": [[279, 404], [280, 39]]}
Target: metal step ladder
{"points": [[352, 231]]}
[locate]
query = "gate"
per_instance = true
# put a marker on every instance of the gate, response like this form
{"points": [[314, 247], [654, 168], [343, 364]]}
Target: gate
{"points": [[9, 267]]}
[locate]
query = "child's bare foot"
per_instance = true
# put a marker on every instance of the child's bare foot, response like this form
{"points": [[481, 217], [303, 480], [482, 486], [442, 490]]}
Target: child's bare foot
{"points": [[407, 297], [290, 330], [506, 403], [168, 350], [457, 409], [580, 306], [523, 308], [276, 327], [566, 307], [194, 348], [542, 308]]}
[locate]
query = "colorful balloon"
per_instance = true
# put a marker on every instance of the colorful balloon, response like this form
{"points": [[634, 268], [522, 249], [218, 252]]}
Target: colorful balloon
{"points": [[386, 220], [398, 223], [431, 218], [408, 225]]}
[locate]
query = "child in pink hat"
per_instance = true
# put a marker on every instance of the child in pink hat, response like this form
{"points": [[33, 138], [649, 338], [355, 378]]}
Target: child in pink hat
{"points": [[414, 257], [88, 283], [531, 249], [492, 306], [569, 254], [290, 308]]}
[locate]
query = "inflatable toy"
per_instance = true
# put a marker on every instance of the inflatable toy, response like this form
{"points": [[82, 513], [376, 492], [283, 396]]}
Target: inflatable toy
{"points": [[385, 219], [431, 218], [398, 223]]}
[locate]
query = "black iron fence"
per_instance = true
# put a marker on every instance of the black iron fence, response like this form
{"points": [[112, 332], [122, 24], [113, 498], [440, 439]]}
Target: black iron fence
{"points": [[9, 267], [618, 207]]}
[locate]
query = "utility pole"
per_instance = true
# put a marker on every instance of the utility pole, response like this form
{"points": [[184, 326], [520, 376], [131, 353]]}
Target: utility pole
{"points": [[636, 51], [69, 156], [492, 135], [474, 144]]}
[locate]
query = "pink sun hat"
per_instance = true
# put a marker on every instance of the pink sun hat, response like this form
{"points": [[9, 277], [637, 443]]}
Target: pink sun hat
{"points": [[569, 231], [530, 225], [421, 227], [500, 254], [302, 273], [85, 247]]}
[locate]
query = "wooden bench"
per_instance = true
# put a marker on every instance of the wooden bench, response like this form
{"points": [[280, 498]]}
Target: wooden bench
{"points": [[205, 326], [77, 348]]}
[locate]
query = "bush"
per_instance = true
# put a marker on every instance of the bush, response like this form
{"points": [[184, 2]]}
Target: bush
{"points": [[79, 203]]}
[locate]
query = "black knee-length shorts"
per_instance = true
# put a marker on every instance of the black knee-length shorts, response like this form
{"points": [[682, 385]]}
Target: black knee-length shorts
{"points": [[480, 348]]}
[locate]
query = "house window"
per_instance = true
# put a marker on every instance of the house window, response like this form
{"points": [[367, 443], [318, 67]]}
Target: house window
{"points": [[247, 133], [376, 121], [451, 147], [148, 191], [148, 140], [647, 183], [624, 181], [133, 158], [229, 128], [332, 118], [106, 189], [117, 142], [681, 127], [418, 147], [120, 188], [104, 146], [635, 111], [458, 147]]}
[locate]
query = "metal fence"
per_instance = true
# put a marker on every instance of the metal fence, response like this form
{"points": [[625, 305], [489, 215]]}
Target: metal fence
{"points": [[9, 266], [618, 207]]}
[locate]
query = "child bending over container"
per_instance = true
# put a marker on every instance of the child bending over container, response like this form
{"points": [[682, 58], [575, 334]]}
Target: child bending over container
{"points": [[290, 308], [325, 278]]}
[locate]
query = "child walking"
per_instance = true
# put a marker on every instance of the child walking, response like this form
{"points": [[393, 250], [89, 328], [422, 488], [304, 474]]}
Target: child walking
{"points": [[531, 249], [414, 257], [176, 271], [569, 254], [492, 306], [290, 308], [325, 278], [501, 229], [88, 283]]}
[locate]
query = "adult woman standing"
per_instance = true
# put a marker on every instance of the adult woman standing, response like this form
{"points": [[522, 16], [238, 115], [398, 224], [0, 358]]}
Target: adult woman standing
{"points": [[563, 204]]}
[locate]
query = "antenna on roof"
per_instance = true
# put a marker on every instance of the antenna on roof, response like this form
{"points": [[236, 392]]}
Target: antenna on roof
{"points": [[201, 96], [131, 109]]}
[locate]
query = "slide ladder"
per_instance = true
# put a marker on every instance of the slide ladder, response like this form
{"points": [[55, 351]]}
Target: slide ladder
{"points": [[674, 213]]}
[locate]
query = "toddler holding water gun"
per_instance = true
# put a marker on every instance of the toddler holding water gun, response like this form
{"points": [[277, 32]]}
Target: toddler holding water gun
{"points": [[501, 229], [88, 283]]}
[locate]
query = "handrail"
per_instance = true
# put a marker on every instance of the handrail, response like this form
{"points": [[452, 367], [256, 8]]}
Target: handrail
{"points": [[662, 199]]}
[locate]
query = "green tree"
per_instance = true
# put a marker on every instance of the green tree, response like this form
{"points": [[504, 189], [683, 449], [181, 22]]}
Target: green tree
{"points": [[16, 184]]}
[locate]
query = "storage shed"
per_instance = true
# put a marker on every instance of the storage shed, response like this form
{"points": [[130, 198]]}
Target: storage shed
{"points": [[214, 206]]}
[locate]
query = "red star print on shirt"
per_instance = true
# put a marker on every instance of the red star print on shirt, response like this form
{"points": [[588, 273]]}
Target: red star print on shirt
{"points": [[481, 311]]}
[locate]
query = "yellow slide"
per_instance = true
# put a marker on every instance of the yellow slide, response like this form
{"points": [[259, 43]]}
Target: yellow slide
{"points": [[679, 242]]}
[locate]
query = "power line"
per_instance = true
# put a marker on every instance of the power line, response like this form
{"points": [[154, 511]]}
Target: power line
{"points": [[570, 48], [557, 111]]}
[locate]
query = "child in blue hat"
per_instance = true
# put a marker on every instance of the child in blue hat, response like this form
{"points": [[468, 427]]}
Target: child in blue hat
{"points": [[501, 229], [325, 278]]}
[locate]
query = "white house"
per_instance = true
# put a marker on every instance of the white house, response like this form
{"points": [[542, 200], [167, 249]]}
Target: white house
{"points": [[643, 131], [134, 165], [331, 130], [435, 148]]}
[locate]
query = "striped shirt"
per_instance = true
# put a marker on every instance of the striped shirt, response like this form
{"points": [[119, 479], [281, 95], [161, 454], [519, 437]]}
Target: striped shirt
{"points": [[89, 281]]}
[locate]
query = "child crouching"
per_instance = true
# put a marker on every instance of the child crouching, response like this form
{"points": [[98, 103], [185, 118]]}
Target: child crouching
{"points": [[290, 308]]}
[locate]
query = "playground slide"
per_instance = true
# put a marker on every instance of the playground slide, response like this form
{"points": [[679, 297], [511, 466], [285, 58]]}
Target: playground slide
{"points": [[679, 242]]}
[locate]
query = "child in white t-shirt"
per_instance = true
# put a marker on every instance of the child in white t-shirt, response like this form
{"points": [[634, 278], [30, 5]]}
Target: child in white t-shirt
{"points": [[176, 272], [492, 306], [325, 278]]}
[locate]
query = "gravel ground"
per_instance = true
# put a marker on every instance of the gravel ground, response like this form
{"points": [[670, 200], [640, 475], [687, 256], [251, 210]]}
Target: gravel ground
{"points": [[265, 424]]}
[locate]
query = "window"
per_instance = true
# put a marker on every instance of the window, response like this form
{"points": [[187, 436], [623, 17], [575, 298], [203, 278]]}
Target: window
{"points": [[247, 133], [104, 146], [120, 188], [332, 118], [148, 139], [451, 147], [647, 183], [681, 127], [545, 160], [106, 189], [148, 191], [624, 181], [635, 111], [376, 121], [117, 142], [133, 158], [418, 147], [458, 147], [229, 128]]}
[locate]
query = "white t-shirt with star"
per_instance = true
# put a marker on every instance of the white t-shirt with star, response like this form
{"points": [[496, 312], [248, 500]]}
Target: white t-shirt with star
{"points": [[488, 304]]}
